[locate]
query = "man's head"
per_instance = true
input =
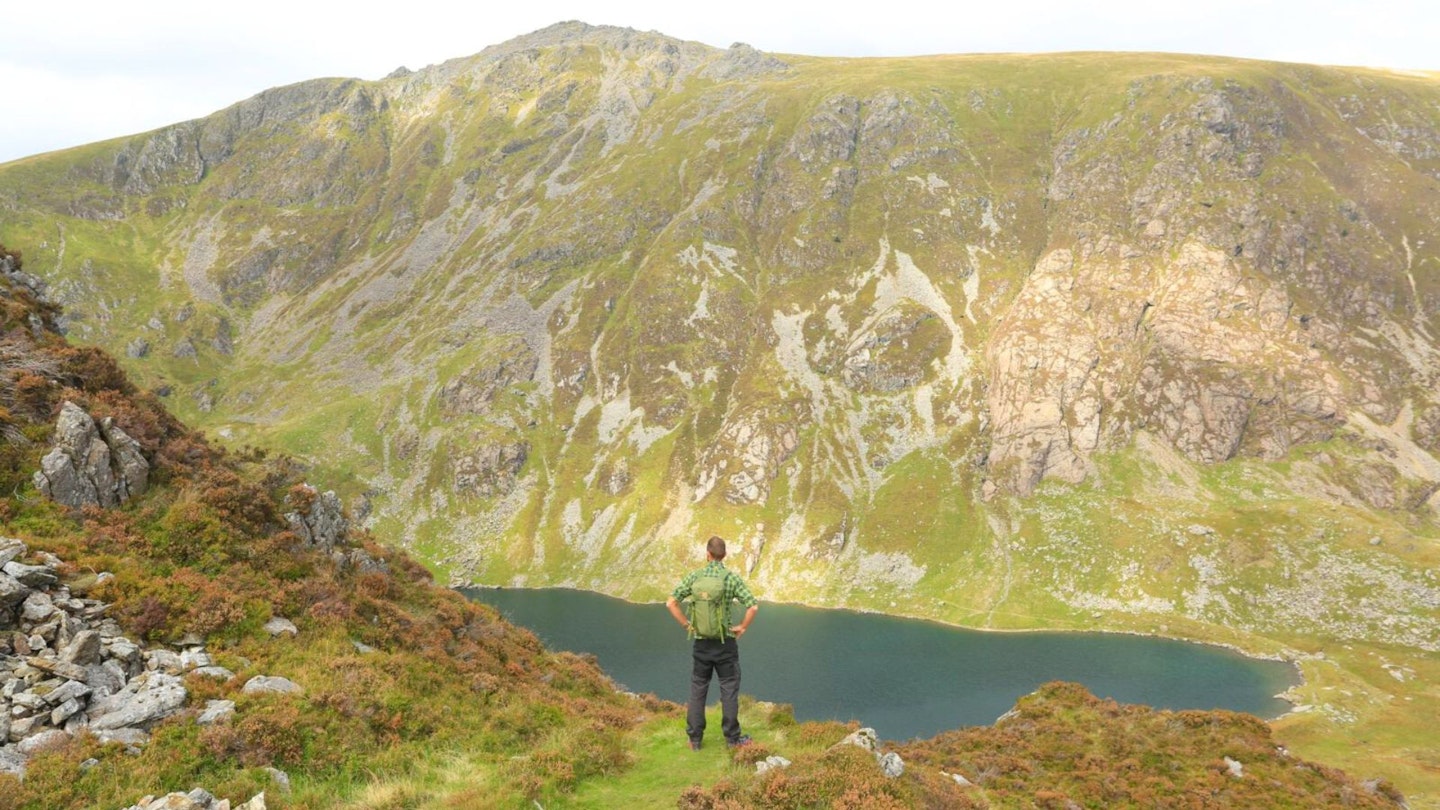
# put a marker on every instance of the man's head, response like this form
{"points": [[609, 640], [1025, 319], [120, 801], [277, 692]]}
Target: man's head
{"points": [[715, 548]]}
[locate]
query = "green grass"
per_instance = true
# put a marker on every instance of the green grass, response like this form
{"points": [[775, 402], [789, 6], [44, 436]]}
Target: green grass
{"points": [[664, 766]]}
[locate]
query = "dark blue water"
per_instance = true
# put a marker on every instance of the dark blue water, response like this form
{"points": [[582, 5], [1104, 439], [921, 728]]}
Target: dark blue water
{"points": [[906, 678]]}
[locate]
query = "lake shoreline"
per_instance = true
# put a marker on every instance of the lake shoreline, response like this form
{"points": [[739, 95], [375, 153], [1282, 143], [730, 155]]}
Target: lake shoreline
{"points": [[1295, 681]]}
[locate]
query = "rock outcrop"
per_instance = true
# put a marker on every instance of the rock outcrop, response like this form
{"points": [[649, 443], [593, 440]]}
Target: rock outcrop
{"points": [[490, 469], [320, 521], [1106, 341], [92, 464], [746, 458], [865, 739]]}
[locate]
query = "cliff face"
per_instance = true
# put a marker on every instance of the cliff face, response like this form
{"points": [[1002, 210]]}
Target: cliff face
{"points": [[562, 306]]}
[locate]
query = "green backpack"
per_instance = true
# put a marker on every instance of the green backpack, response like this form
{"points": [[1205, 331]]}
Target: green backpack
{"points": [[708, 614]]}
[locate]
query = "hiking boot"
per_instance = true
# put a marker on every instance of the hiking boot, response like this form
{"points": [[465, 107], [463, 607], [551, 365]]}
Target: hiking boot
{"points": [[694, 745], [740, 742]]}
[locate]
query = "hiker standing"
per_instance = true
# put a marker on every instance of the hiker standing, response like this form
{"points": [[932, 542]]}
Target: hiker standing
{"points": [[708, 592]]}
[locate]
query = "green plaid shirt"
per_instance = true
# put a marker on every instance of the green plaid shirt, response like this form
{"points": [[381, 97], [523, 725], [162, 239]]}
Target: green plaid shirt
{"points": [[735, 589]]}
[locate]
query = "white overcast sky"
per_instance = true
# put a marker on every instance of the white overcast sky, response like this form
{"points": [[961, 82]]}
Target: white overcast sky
{"points": [[76, 71]]}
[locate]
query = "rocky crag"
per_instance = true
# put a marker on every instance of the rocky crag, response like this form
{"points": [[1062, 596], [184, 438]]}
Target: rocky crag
{"points": [[1118, 341]]}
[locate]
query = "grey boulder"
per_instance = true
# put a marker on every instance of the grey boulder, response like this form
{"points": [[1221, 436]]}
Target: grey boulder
{"points": [[145, 701]]}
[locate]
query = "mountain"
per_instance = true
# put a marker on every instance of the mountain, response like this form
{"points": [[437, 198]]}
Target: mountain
{"points": [[1086, 341], [144, 646]]}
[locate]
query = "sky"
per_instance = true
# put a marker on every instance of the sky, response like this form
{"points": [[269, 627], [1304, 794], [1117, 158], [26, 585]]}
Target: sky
{"points": [[80, 71]]}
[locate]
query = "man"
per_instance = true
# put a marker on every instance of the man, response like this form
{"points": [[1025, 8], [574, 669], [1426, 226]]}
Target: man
{"points": [[719, 656]]}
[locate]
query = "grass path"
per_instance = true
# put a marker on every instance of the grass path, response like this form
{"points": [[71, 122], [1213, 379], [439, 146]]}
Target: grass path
{"points": [[665, 766]]}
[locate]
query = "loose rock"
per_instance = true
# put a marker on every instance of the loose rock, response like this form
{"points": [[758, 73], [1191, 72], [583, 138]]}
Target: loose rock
{"points": [[216, 711], [268, 683], [42, 741], [144, 701], [279, 625], [771, 762]]}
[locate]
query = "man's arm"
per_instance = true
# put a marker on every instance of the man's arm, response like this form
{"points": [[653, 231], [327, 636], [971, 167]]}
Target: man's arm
{"points": [[739, 629], [675, 611], [741, 593]]}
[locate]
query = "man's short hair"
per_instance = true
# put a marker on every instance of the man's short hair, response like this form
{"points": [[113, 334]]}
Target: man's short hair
{"points": [[715, 547]]}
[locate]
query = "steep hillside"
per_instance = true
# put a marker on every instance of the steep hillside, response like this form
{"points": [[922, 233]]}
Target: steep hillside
{"points": [[1137, 342], [145, 644], [151, 590]]}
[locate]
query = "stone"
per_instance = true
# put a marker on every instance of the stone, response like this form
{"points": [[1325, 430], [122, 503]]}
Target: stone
{"points": [[49, 632], [193, 659], [84, 649], [959, 779], [771, 762], [91, 464], [164, 661], [892, 765], [201, 796], [45, 740], [12, 761], [34, 576], [70, 690], [361, 647], [279, 625], [322, 523], [22, 727], [268, 683], [26, 703], [65, 711], [280, 778], [144, 701], [123, 736], [216, 711], [12, 591], [255, 803], [37, 607], [137, 348], [123, 650], [1235, 768], [106, 679], [11, 549], [218, 673], [173, 801], [864, 738], [64, 669], [132, 470], [48, 560]]}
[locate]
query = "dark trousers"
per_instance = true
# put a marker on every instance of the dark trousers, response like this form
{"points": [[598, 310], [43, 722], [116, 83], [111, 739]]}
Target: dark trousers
{"points": [[722, 659]]}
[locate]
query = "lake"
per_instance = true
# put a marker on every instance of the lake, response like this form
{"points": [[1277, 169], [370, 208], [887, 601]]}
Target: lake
{"points": [[904, 677]]}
